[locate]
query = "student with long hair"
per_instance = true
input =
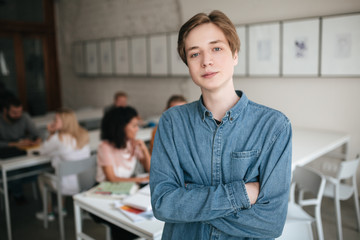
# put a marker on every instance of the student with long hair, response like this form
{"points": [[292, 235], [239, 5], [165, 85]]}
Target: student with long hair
{"points": [[120, 154], [67, 141]]}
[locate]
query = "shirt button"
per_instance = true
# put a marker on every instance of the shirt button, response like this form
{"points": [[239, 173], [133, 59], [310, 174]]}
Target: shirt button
{"points": [[231, 119]]}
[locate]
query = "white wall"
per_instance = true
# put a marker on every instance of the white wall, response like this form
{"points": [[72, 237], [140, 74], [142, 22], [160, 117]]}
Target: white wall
{"points": [[323, 103]]}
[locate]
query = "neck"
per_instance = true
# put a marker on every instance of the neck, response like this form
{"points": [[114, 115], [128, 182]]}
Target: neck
{"points": [[220, 101]]}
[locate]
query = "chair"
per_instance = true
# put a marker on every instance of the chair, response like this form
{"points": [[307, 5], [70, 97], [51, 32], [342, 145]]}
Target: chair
{"points": [[298, 221], [85, 169], [338, 189]]}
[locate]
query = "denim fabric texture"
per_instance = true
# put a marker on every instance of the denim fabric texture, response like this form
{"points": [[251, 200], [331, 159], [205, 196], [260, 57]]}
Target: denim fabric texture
{"points": [[199, 170]]}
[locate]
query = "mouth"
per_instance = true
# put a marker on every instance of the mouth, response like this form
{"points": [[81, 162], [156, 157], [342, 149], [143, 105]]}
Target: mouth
{"points": [[209, 74]]}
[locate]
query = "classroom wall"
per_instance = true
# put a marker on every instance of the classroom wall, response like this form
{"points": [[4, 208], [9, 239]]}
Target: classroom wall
{"points": [[322, 103]]}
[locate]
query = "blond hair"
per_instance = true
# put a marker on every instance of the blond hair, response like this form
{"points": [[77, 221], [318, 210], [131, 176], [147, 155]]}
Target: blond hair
{"points": [[70, 126], [216, 17]]}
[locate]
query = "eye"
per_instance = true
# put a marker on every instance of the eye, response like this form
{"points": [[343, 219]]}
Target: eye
{"points": [[217, 49], [194, 55]]}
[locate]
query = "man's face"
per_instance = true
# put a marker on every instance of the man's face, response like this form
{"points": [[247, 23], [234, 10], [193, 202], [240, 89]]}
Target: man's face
{"points": [[14, 113], [209, 57], [121, 101]]}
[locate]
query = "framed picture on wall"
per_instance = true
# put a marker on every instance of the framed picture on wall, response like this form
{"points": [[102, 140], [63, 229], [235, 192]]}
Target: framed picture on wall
{"points": [[121, 56], [264, 46], [340, 46], [138, 55], [106, 57], [177, 66], [79, 58], [91, 54], [300, 48], [158, 55], [240, 68]]}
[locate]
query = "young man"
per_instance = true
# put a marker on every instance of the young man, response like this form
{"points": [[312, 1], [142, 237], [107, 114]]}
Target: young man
{"points": [[16, 127], [221, 166]]}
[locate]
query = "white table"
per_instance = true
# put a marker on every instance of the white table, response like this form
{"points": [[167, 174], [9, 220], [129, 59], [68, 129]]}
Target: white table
{"points": [[310, 144], [14, 164], [103, 208], [31, 160]]}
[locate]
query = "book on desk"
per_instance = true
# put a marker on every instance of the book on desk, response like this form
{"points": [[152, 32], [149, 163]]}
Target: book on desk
{"points": [[132, 202], [116, 190], [137, 207]]}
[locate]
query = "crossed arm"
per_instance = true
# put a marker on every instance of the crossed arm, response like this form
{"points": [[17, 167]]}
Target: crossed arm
{"points": [[237, 208]]}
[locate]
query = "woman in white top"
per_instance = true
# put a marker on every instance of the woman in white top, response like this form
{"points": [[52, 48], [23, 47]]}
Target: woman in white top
{"points": [[119, 154], [67, 141]]}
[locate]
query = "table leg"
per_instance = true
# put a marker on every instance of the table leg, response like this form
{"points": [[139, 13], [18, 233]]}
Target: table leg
{"points": [[7, 207], [78, 221]]}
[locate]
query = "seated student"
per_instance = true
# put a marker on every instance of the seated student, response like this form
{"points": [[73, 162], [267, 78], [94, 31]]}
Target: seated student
{"points": [[68, 141], [120, 100], [174, 100], [16, 127], [119, 153], [17, 130]]}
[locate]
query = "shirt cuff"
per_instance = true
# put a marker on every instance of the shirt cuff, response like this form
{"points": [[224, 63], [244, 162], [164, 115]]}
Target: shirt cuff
{"points": [[237, 195]]}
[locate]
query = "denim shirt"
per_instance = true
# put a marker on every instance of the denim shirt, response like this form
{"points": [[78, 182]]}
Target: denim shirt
{"points": [[199, 170]]}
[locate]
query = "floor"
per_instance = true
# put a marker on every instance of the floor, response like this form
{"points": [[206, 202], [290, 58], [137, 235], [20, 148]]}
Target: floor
{"points": [[26, 226]]}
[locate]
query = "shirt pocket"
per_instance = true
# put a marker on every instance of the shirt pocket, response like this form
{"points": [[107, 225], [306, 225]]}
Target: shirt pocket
{"points": [[242, 164]]}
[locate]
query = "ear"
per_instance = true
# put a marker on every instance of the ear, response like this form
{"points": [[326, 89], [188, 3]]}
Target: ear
{"points": [[236, 58]]}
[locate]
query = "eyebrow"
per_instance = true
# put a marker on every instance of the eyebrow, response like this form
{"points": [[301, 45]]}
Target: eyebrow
{"points": [[212, 42]]}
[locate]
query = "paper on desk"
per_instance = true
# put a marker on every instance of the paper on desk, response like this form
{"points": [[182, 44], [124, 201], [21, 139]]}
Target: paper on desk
{"points": [[133, 214], [140, 200]]}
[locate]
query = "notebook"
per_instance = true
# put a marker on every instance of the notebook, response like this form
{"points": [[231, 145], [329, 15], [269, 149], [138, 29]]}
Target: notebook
{"points": [[113, 189], [140, 200]]}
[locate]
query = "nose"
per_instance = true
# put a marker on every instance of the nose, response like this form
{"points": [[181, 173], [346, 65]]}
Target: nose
{"points": [[207, 60]]}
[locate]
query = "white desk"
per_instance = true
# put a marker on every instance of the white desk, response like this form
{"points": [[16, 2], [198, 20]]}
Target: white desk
{"points": [[27, 161], [309, 144], [149, 229], [82, 116]]}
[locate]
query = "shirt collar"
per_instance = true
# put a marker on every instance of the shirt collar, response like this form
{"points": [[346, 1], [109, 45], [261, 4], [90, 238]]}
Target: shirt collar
{"points": [[232, 114]]}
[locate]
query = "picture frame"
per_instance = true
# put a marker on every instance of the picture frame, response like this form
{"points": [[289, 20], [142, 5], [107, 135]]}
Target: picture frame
{"points": [[91, 52], [177, 66], [138, 55], [300, 47], [340, 45], [264, 49], [158, 55], [241, 68], [121, 56], [79, 58], [106, 57]]}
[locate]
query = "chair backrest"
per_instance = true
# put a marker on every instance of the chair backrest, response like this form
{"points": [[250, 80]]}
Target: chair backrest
{"points": [[348, 169], [85, 169], [308, 180]]}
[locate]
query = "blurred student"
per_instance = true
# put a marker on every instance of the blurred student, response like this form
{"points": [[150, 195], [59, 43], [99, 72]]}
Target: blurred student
{"points": [[16, 127], [221, 166], [174, 100], [119, 154], [67, 141], [120, 100], [17, 130]]}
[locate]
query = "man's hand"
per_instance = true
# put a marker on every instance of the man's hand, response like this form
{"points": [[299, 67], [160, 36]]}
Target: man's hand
{"points": [[25, 143], [252, 189]]}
